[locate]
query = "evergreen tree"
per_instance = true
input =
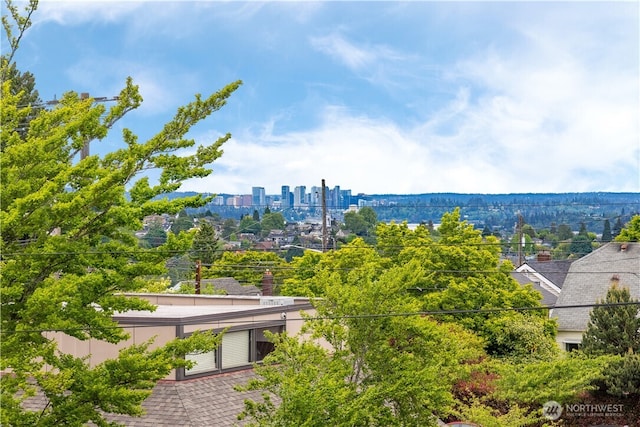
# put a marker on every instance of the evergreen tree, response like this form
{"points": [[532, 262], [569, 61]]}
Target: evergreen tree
{"points": [[564, 232], [155, 237], [228, 228], [617, 227], [248, 224], [614, 329], [583, 229], [206, 246], [606, 232], [182, 223], [23, 86], [580, 245], [622, 377]]}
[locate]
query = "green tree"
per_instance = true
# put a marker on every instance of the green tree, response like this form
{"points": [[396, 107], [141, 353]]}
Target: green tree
{"points": [[564, 232], [355, 223], [247, 267], [206, 245], [229, 227], [580, 245], [617, 227], [23, 86], [180, 268], [583, 229], [370, 217], [385, 368], [155, 236], [272, 221], [68, 246], [563, 379], [631, 232], [528, 247], [182, 223], [606, 232], [613, 329], [249, 225], [528, 230], [462, 271], [622, 377]]}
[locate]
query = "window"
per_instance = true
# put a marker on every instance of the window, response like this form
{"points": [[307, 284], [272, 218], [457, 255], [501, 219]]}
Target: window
{"points": [[204, 362], [263, 345], [239, 348], [571, 346], [235, 349]]}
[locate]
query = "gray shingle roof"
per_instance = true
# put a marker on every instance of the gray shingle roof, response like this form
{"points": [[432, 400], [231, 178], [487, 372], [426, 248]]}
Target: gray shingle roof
{"points": [[589, 278], [202, 402], [554, 270], [547, 297]]}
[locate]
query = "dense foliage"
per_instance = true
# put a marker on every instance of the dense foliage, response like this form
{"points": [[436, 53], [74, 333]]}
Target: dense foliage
{"points": [[68, 246]]}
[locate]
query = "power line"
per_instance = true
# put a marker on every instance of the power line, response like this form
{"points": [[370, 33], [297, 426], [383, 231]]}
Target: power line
{"points": [[344, 317], [144, 251]]}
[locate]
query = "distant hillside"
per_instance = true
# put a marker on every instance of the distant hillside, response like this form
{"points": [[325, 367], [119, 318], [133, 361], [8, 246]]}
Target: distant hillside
{"points": [[499, 211]]}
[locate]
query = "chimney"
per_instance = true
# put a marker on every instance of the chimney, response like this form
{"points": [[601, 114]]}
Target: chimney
{"points": [[267, 284], [544, 256]]}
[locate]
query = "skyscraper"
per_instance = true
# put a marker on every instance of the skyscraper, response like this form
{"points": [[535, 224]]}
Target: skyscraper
{"points": [[258, 197], [299, 196], [285, 196]]}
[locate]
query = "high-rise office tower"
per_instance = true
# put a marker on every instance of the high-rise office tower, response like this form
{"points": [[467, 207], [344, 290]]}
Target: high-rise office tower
{"points": [[285, 197], [258, 197], [299, 196]]}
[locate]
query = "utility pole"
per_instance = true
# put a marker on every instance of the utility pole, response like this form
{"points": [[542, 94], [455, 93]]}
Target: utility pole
{"points": [[84, 153], [198, 275], [324, 217], [520, 242]]}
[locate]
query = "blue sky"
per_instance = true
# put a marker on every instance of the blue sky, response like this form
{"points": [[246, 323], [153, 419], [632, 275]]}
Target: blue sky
{"points": [[377, 97]]}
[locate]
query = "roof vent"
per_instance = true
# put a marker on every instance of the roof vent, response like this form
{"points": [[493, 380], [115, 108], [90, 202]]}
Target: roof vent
{"points": [[276, 301], [623, 247]]}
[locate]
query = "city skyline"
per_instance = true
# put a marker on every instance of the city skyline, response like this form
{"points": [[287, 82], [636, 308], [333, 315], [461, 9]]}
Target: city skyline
{"points": [[404, 97]]}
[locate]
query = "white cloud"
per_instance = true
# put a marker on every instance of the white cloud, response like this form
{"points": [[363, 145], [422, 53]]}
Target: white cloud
{"points": [[78, 12], [345, 52], [542, 120], [382, 66]]}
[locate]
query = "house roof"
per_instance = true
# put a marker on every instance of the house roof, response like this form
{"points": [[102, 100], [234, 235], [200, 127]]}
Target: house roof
{"points": [[175, 315], [589, 279], [548, 298], [208, 401], [554, 270]]}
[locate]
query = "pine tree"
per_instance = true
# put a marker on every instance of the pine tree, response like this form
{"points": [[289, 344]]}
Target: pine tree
{"points": [[617, 227], [206, 245], [583, 229], [606, 232], [613, 329]]}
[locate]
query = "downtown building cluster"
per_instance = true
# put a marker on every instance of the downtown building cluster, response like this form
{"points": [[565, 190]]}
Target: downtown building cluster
{"points": [[299, 198]]}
